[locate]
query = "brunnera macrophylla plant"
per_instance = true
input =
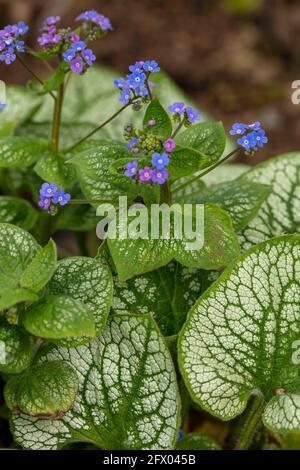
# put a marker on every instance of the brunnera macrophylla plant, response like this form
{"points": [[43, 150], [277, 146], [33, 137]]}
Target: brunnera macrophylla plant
{"points": [[114, 349]]}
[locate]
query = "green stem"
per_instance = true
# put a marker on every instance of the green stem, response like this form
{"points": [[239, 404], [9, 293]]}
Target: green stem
{"points": [[97, 128], [177, 129], [252, 421], [149, 90], [165, 195], [212, 167], [35, 76], [57, 118]]}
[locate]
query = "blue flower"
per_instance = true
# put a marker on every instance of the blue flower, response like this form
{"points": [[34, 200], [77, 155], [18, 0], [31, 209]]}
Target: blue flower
{"points": [[259, 137], [136, 79], [79, 46], [160, 176], [45, 202], [180, 435], [137, 67], [141, 91], [94, 17], [61, 197], [21, 28], [151, 66], [131, 168], [20, 46], [132, 142], [238, 129], [125, 96], [255, 126], [159, 161], [192, 115], [88, 56], [177, 108], [49, 196], [69, 55], [48, 190], [247, 141], [8, 56], [120, 83]]}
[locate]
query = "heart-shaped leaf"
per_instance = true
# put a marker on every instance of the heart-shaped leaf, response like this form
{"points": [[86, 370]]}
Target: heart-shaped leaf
{"points": [[93, 167], [240, 336], [44, 390], [185, 161], [87, 280], [20, 151], [163, 124], [52, 167], [17, 211], [58, 317], [208, 138], [280, 213], [17, 250], [15, 349], [166, 294], [134, 256], [241, 199], [40, 270], [127, 398]]}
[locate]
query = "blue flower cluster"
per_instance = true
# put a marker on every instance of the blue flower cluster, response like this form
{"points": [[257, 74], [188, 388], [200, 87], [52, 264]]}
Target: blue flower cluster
{"points": [[187, 113], [251, 137], [10, 43], [136, 83], [50, 196], [79, 56], [92, 17]]}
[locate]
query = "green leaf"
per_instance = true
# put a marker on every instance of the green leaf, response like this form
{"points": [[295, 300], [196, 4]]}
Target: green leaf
{"points": [[240, 336], [166, 294], [197, 441], [163, 124], [58, 317], [41, 269], [185, 161], [280, 213], [17, 211], [21, 105], [52, 167], [93, 167], [127, 398], [133, 256], [87, 280], [208, 138], [225, 172], [15, 349], [46, 390], [241, 199], [69, 132], [17, 249], [53, 82], [20, 151], [10, 297], [81, 217], [7, 129]]}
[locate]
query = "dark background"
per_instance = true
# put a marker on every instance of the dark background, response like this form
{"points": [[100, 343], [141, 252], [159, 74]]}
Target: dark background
{"points": [[236, 58]]}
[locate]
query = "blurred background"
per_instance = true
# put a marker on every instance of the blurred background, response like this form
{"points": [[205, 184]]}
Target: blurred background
{"points": [[236, 58]]}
